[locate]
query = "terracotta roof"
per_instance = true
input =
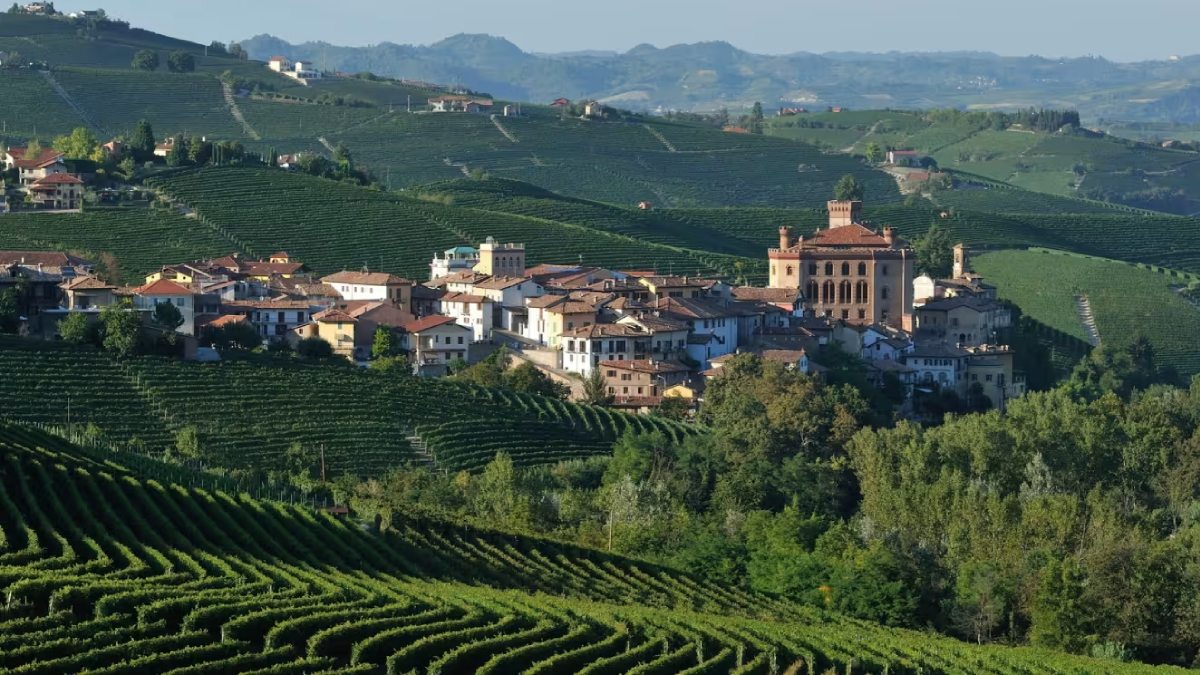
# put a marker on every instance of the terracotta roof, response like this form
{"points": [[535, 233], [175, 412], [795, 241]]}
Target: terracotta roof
{"points": [[545, 301], [58, 179], [600, 330], [776, 295], [227, 319], [365, 278], [271, 303], [427, 322], [47, 258], [647, 366], [334, 315], [676, 282], [968, 301], [257, 267], [660, 324], [500, 283], [847, 235], [785, 356], [46, 157], [163, 287], [573, 307], [465, 297], [86, 284], [279, 254], [693, 308]]}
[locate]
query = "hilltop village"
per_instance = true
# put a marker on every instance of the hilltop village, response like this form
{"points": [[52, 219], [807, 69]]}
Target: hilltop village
{"points": [[848, 289]]}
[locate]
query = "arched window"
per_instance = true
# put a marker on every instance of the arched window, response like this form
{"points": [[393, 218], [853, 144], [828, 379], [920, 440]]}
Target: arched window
{"points": [[862, 269], [883, 270], [883, 293], [772, 270], [812, 269], [862, 292], [790, 270], [827, 293], [845, 269], [844, 292], [828, 269], [813, 291]]}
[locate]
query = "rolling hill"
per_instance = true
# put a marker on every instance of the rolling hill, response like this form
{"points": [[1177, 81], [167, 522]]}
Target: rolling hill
{"points": [[107, 570], [1081, 164]]}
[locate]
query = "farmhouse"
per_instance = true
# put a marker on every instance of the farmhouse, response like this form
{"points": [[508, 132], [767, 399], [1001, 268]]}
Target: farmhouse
{"points": [[642, 382], [371, 286], [848, 271], [31, 169], [58, 191], [456, 103], [168, 292]]}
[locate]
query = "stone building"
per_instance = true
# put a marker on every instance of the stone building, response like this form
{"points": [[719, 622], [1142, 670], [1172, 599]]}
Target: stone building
{"points": [[848, 271]]}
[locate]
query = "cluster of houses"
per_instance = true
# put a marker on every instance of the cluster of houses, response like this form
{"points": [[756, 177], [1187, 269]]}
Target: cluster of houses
{"points": [[300, 71], [648, 335], [43, 179]]}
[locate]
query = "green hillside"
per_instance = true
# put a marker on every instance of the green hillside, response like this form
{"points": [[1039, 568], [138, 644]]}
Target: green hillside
{"points": [[1080, 164], [1126, 300], [248, 414], [333, 226], [107, 571]]}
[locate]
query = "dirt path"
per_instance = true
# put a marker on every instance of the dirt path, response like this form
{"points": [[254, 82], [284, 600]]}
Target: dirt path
{"points": [[1084, 307], [234, 110], [78, 109], [507, 134], [662, 139]]}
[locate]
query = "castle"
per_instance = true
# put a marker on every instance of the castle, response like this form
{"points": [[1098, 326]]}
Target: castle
{"points": [[848, 271]]}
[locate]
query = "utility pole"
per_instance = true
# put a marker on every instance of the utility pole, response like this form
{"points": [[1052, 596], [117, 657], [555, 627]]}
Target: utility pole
{"points": [[322, 464]]}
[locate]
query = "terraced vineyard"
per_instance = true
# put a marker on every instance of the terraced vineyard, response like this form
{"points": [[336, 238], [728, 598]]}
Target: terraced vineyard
{"points": [[334, 226], [247, 414], [31, 108], [1127, 300], [140, 240], [105, 571]]}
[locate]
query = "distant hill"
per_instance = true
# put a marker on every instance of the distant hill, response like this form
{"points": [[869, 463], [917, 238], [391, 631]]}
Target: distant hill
{"points": [[710, 75]]}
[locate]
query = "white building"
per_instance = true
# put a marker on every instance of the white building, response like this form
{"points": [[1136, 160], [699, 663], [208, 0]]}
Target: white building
{"points": [[585, 348], [453, 260], [371, 286], [168, 292], [472, 311]]}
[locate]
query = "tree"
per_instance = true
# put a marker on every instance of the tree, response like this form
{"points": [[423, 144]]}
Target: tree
{"points": [[674, 408], [187, 443], [396, 365], [167, 315], [935, 253], [121, 327], [15, 9], [145, 59], [236, 50], [141, 142], [315, 349], [848, 189], [756, 118], [10, 317], [488, 372], [874, 153], [79, 144], [236, 335], [216, 47], [595, 389], [383, 344], [76, 328], [33, 148], [180, 61], [530, 379], [178, 154]]}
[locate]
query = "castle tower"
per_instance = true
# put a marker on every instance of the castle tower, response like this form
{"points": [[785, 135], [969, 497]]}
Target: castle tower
{"points": [[844, 212], [960, 261], [785, 237], [501, 260]]}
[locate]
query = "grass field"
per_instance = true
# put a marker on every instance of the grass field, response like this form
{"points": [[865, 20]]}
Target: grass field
{"points": [[1126, 300], [108, 568]]}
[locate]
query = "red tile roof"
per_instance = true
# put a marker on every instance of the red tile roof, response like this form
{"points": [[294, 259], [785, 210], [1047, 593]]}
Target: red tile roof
{"points": [[647, 366], [428, 322], [854, 235], [58, 179], [47, 156], [365, 278], [47, 258], [465, 297], [163, 287], [226, 319]]}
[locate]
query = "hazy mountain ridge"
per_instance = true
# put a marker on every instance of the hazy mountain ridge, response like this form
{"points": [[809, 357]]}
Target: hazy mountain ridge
{"points": [[709, 75]]}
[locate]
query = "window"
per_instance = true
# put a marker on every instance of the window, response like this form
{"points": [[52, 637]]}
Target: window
{"points": [[883, 293], [845, 314], [862, 269], [812, 269], [828, 269], [612, 373], [884, 270], [844, 292], [862, 292], [827, 293], [460, 339], [790, 270], [813, 290], [845, 269], [862, 314], [988, 377]]}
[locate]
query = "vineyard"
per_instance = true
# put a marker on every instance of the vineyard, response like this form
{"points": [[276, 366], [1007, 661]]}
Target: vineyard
{"points": [[248, 414], [106, 571], [31, 108], [1127, 300], [333, 226], [140, 240]]}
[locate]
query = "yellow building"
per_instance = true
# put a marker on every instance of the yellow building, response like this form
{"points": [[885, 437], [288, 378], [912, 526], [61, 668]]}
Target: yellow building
{"points": [[501, 260], [848, 271]]}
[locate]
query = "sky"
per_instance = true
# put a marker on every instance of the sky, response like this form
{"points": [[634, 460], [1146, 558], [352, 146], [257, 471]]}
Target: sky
{"points": [[1120, 30]]}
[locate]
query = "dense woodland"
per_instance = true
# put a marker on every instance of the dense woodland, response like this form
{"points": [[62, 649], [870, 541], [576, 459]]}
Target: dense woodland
{"points": [[1068, 522]]}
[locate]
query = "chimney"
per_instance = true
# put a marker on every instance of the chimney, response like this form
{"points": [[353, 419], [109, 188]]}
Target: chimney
{"points": [[785, 236], [889, 235]]}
